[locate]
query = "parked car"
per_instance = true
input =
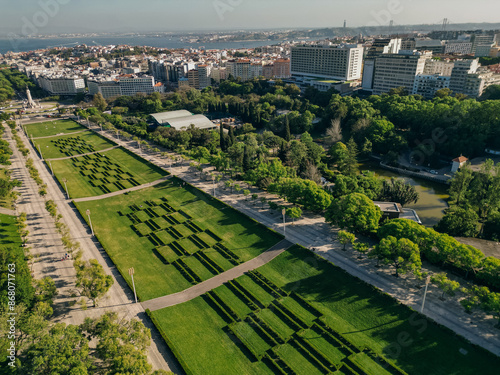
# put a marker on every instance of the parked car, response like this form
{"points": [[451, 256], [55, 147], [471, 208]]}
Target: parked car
{"points": [[433, 171]]}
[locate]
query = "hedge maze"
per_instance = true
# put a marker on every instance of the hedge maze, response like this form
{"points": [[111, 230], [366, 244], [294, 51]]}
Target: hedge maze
{"points": [[102, 173], [287, 333], [73, 146], [198, 254]]}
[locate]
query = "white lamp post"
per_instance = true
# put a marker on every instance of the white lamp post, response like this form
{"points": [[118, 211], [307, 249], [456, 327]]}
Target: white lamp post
{"points": [[66, 186], [51, 170], [131, 273], [90, 222], [427, 281], [283, 212]]}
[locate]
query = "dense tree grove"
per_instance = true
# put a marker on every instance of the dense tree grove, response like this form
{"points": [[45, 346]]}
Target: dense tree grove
{"points": [[475, 198], [445, 251], [13, 80]]}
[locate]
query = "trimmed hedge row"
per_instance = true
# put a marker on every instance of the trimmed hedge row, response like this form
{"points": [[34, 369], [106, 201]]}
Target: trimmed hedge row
{"points": [[187, 272], [245, 343], [319, 356], [290, 315], [170, 345], [317, 362], [209, 263], [270, 330], [260, 279]]}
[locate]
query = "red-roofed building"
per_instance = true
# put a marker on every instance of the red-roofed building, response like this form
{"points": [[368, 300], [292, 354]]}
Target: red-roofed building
{"points": [[458, 163]]}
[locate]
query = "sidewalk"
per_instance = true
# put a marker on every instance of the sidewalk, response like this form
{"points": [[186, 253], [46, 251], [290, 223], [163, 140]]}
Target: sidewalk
{"points": [[216, 281]]}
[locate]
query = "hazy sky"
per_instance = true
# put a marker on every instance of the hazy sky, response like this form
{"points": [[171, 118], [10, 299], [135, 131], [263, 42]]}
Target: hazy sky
{"points": [[21, 16]]}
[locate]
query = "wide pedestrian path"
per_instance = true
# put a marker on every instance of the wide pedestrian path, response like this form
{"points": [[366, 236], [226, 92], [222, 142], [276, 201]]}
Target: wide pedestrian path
{"points": [[6, 211], [119, 192], [88, 153], [216, 281], [61, 134]]}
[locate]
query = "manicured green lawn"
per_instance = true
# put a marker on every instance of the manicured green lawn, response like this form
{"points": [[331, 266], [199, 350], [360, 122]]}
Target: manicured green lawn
{"points": [[55, 147], [79, 186], [5, 202], [8, 231], [353, 311], [154, 276], [48, 128], [198, 336]]}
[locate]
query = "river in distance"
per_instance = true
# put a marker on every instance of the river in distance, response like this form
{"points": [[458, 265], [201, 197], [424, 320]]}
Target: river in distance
{"points": [[31, 44]]}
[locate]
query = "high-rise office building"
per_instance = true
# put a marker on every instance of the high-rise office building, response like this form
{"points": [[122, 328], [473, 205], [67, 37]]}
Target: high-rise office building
{"points": [[379, 47], [239, 69], [204, 76], [398, 70], [61, 84], [342, 62], [427, 85], [460, 72]]}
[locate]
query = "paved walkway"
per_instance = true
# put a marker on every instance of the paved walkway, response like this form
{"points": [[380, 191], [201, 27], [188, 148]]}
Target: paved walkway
{"points": [[6, 211], [205, 286], [88, 153], [119, 192], [119, 299], [61, 134]]}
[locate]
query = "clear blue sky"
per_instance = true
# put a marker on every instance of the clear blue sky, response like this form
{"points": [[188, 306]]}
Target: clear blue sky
{"points": [[173, 15]]}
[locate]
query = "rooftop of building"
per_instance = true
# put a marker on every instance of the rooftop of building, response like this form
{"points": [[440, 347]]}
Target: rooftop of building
{"points": [[460, 159], [165, 116], [389, 206]]}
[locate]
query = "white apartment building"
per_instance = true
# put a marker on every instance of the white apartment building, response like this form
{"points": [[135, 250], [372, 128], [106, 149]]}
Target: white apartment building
{"points": [[218, 74], [126, 84], [131, 84], [342, 62], [61, 84], [204, 79], [256, 70], [239, 69], [458, 47], [398, 70], [441, 67], [427, 85], [459, 75], [378, 47]]}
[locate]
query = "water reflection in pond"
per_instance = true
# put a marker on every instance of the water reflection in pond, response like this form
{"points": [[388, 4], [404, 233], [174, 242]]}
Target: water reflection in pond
{"points": [[433, 196]]}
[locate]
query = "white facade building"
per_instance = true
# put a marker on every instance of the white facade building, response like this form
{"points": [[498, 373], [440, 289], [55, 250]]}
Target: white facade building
{"points": [[61, 84], [343, 62], [398, 70], [113, 86], [427, 85]]}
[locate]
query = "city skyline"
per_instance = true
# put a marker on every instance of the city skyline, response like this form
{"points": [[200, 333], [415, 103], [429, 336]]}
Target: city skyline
{"points": [[67, 16]]}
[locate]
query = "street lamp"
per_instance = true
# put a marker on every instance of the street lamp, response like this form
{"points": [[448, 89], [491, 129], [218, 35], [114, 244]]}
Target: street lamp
{"points": [[427, 281], [40, 151], [131, 273], [213, 182], [51, 170], [90, 221], [66, 186], [283, 212], [117, 135]]}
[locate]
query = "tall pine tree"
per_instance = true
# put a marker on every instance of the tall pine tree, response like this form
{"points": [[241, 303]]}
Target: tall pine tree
{"points": [[222, 138], [288, 135], [247, 162], [231, 138]]}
